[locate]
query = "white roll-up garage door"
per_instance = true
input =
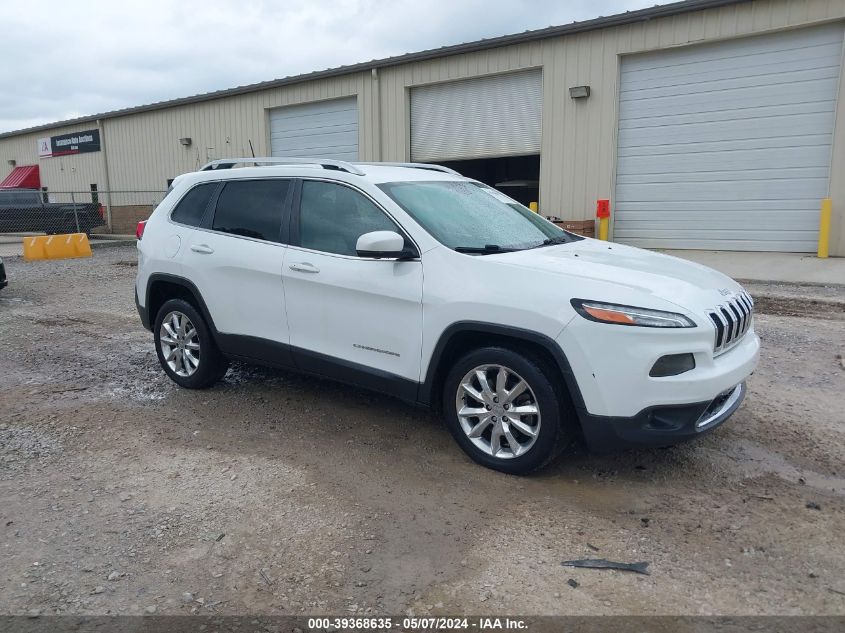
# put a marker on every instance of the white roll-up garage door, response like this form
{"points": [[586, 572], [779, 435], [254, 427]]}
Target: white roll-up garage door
{"points": [[727, 145], [324, 129], [484, 117]]}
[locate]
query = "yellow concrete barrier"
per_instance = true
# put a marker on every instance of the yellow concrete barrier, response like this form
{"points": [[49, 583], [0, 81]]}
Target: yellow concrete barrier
{"points": [[824, 228], [66, 246], [534, 207], [33, 248]]}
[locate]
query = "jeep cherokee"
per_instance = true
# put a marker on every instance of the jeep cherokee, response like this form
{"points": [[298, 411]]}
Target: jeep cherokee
{"points": [[417, 282]]}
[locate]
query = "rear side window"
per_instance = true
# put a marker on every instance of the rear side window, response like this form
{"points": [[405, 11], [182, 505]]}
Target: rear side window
{"points": [[252, 208], [192, 207]]}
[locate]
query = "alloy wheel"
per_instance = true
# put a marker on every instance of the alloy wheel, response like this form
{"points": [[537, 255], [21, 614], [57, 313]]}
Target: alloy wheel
{"points": [[498, 411], [180, 344]]}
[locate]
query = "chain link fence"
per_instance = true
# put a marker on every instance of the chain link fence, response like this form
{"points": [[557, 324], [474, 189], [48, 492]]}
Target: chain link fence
{"points": [[34, 211]]}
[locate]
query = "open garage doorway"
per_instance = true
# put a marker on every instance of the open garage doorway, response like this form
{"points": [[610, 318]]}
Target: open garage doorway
{"points": [[487, 128], [515, 176]]}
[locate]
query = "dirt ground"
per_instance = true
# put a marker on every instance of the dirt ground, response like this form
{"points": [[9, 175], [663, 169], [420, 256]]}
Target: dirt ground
{"points": [[278, 494]]}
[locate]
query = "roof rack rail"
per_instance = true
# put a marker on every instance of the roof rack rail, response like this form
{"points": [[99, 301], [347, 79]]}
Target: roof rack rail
{"points": [[263, 161], [429, 166]]}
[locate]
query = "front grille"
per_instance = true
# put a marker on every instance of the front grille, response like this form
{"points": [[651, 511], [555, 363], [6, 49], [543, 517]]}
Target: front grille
{"points": [[732, 320]]}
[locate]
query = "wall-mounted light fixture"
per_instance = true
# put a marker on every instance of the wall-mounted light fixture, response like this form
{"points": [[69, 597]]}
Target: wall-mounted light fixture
{"points": [[12, 162], [579, 92], [185, 141]]}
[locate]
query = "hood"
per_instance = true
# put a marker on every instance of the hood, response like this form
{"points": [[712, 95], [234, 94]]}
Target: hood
{"points": [[623, 272]]}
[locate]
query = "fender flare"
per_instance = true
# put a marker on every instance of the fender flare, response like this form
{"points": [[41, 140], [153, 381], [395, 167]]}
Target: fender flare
{"points": [[426, 393], [185, 283]]}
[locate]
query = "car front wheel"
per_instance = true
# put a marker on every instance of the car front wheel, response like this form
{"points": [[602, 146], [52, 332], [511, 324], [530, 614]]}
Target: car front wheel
{"points": [[185, 346], [505, 410]]}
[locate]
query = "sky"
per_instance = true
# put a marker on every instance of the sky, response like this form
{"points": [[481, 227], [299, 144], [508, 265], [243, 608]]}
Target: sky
{"points": [[68, 59]]}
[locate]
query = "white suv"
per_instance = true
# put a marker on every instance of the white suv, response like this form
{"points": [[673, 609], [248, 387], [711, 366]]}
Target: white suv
{"points": [[420, 283]]}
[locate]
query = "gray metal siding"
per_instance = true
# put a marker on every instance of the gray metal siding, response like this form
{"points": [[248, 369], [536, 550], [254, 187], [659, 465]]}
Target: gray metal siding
{"points": [[499, 115], [327, 129], [727, 146]]}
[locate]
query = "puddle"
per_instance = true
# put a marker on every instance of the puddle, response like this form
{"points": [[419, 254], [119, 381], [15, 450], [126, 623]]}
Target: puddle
{"points": [[15, 301], [138, 393]]}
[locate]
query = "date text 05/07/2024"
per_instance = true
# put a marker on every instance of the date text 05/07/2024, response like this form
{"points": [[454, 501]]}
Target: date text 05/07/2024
{"points": [[419, 624]]}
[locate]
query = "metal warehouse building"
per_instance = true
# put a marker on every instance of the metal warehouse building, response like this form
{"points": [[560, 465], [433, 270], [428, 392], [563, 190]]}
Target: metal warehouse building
{"points": [[709, 124]]}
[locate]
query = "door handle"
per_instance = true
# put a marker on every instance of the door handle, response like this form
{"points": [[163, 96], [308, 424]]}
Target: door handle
{"points": [[205, 249], [304, 267]]}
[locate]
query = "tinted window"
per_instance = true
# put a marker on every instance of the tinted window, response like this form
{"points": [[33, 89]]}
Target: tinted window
{"points": [[252, 208], [192, 207], [332, 218]]}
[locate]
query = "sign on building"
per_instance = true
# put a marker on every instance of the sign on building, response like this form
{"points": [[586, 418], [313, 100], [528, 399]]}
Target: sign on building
{"points": [[66, 144]]}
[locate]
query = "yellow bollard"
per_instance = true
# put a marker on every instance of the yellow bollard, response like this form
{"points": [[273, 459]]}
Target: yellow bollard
{"points": [[824, 228], [603, 214], [533, 206], [603, 223]]}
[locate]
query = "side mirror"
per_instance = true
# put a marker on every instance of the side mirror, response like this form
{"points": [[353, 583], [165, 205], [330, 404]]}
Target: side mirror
{"points": [[387, 244]]}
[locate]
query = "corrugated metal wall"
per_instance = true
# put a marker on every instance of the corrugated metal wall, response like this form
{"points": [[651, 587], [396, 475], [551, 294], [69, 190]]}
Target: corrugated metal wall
{"points": [[578, 140], [63, 173]]}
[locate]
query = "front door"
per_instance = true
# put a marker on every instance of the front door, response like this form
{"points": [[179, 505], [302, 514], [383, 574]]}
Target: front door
{"points": [[354, 318]]}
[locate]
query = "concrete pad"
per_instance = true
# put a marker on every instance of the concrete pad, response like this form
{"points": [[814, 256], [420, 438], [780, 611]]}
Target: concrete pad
{"points": [[799, 268]]}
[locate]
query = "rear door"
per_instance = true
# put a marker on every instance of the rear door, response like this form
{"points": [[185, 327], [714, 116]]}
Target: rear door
{"points": [[353, 318], [235, 259]]}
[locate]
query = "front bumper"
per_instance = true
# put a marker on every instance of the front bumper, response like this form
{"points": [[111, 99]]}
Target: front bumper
{"points": [[661, 425], [612, 364]]}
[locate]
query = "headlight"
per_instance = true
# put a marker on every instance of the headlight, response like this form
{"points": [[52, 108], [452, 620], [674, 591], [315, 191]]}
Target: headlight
{"points": [[629, 315]]}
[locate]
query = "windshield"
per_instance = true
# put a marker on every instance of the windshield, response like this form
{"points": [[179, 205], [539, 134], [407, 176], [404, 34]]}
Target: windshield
{"points": [[472, 217]]}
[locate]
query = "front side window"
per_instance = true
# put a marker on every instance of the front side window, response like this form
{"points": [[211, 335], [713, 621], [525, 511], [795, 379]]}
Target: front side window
{"points": [[252, 208], [332, 217], [192, 206], [473, 217]]}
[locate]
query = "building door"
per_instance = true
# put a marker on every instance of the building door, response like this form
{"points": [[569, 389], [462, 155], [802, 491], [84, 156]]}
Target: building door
{"points": [[727, 145], [324, 129], [486, 128]]}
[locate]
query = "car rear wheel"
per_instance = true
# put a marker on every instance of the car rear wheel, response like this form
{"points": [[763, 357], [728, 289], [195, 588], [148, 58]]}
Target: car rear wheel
{"points": [[506, 410], [185, 346]]}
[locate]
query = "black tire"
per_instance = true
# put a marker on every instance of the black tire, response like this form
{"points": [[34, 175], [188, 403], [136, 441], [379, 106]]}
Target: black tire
{"points": [[212, 364], [556, 420]]}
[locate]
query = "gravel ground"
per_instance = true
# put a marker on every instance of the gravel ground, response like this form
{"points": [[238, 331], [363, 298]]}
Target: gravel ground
{"points": [[278, 494]]}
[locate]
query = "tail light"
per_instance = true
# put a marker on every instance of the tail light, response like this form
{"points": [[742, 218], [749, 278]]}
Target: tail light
{"points": [[102, 211], [139, 232]]}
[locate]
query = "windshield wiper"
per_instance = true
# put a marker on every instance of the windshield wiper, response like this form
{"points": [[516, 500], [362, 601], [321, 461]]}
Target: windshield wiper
{"points": [[487, 249], [562, 239]]}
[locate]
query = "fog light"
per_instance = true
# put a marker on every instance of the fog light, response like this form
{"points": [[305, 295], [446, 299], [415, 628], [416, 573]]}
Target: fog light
{"points": [[672, 365]]}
